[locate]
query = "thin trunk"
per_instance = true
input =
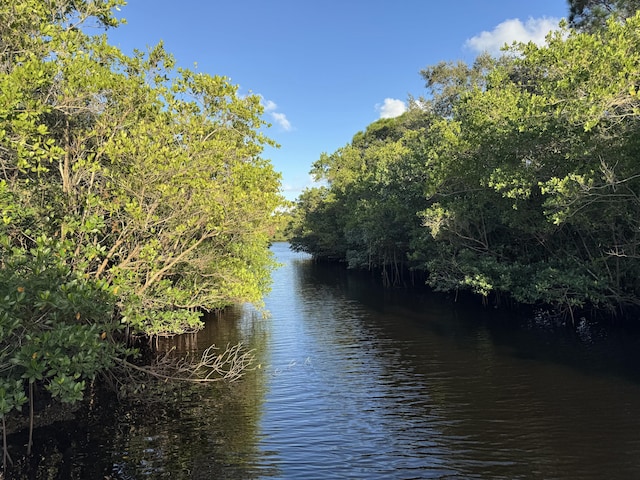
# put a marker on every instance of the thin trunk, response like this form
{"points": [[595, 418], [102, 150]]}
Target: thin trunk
{"points": [[5, 452], [107, 258], [30, 442], [64, 167]]}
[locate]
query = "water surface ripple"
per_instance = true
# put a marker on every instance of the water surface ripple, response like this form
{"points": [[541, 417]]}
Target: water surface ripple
{"points": [[357, 382], [366, 384]]}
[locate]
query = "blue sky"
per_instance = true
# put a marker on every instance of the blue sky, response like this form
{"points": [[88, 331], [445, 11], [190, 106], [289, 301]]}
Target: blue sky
{"points": [[327, 69]]}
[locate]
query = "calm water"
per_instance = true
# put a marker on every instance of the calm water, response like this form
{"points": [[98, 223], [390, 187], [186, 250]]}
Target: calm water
{"points": [[357, 382]]}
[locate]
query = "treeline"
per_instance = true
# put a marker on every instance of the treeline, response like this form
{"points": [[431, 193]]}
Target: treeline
{"points": [[132, 197], [517, 178]]}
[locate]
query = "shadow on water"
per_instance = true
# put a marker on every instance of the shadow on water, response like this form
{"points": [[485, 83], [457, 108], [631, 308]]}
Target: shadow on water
{"points": [[590, 347], [182, 432], [512, 395]]}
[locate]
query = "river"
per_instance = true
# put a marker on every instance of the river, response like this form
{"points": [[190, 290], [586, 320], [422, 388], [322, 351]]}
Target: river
{"points": [[357, 382]]}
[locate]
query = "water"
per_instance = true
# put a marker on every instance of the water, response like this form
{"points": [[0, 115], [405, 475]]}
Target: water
{"points": [[358, 382]]}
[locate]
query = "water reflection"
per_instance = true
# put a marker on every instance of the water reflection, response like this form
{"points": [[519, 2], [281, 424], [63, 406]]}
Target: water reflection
{"points": [[200, 433], [427, 389], [360, 382]]}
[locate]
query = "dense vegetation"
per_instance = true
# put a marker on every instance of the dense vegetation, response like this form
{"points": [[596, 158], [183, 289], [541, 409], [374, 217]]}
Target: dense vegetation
{"points": [[516, 178], [132, 196]]}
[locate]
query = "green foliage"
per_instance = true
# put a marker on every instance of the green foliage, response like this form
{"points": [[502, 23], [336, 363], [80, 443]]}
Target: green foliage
{"points": [[132, 197], [150, 175], [591, 15], [366, 216], [12, 396], [54, 324], [522, 175], [315, 227]]}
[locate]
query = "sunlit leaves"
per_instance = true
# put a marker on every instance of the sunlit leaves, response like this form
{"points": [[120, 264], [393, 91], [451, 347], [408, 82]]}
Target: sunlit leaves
{"points": [[151, 172]]}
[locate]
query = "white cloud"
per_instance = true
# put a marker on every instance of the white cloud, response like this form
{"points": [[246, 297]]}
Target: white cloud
{"points": [[281, 119], [312, 182], [270, 107], [291, 191], [513, 30], [287, 188], [391, 108]]}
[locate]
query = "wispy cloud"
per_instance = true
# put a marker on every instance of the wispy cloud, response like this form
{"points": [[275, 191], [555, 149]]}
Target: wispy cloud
{"points": [[292, 191], [513, 30], [269, 106], [279, 118], [391, 108]]}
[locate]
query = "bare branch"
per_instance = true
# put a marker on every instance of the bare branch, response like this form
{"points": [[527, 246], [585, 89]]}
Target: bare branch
{"points": [[213, 366]]}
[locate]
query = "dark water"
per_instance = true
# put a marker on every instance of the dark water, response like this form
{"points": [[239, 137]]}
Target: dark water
{"points": [[358, 382]]}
